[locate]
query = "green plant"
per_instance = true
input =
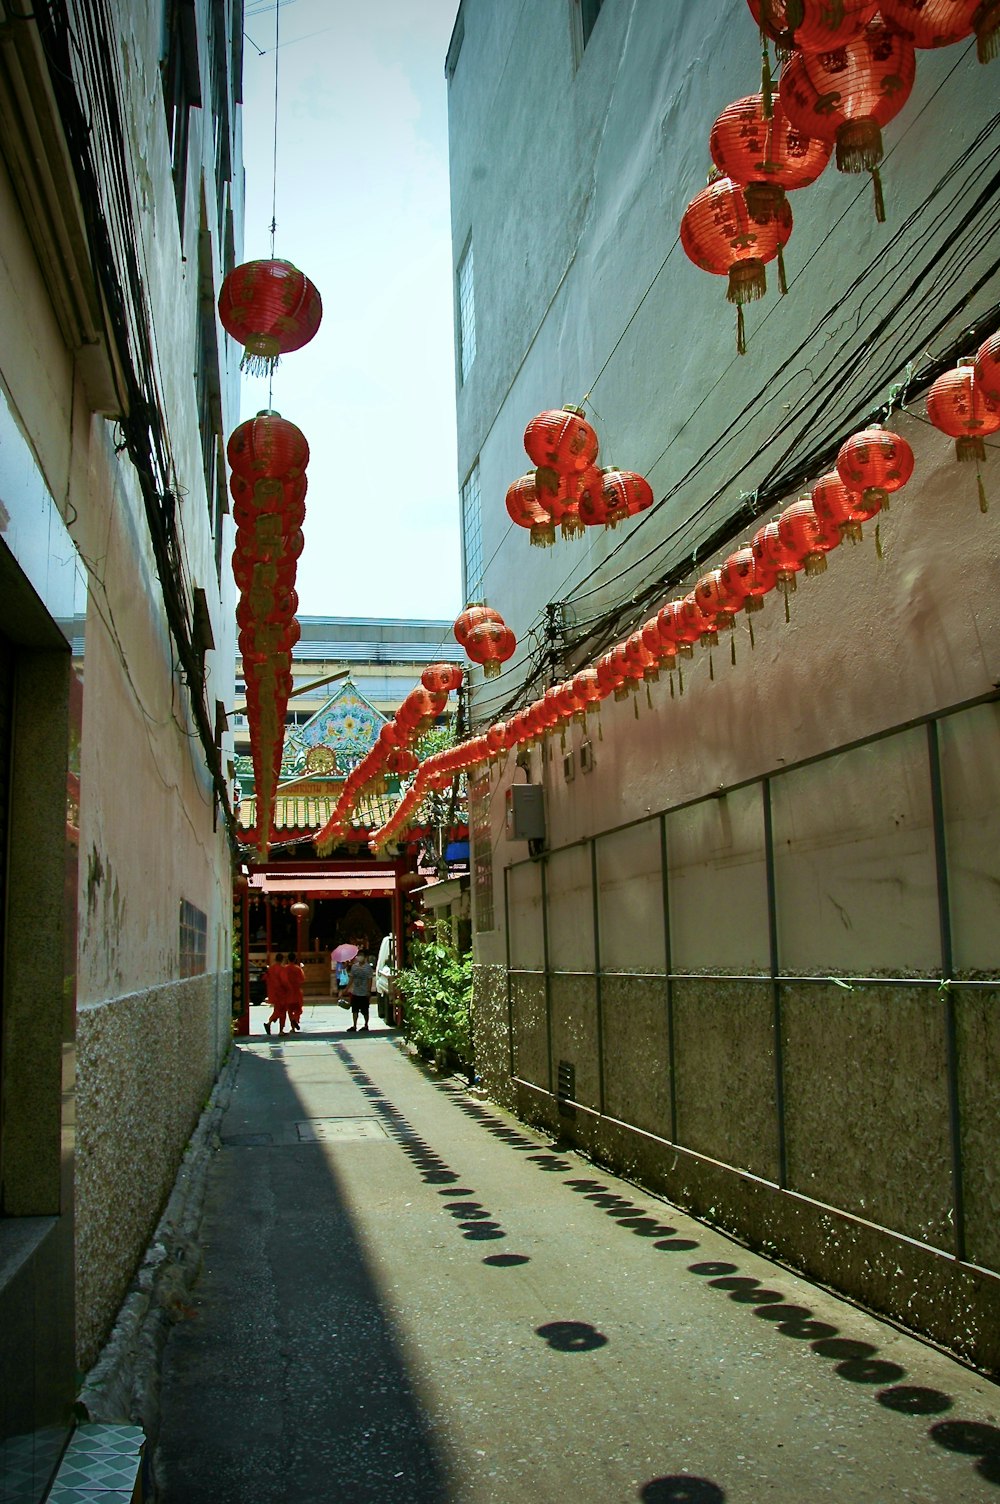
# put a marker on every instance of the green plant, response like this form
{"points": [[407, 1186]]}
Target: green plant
{"points": [[437, 992]]}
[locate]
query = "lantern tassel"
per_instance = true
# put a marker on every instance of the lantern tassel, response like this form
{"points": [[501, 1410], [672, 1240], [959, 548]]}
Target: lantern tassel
{"points": [[732, 650], [649, 697], [711, 667], [984, 505], [879, 199], [766, 81], [256, 364], [635, 708], [988, 38], [741, 333], [671, 686], [878, 539], [680, 679], [782, 279]]}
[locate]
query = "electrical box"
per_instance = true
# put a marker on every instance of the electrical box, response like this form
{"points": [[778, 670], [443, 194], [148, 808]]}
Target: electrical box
{"points": [[525, 812]]}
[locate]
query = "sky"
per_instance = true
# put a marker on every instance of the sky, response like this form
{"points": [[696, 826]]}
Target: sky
{"points": [[361, 205]]}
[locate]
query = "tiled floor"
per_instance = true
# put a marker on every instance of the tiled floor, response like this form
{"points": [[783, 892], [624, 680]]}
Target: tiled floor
{"points": [[100, 1466]]}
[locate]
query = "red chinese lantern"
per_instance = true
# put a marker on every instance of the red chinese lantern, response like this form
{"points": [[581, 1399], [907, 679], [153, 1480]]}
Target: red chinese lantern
{"points": [[645, 663], [490, 643], [525, 508], [770, 551], [812, 25], [268, 447], [875, 462], [988, 367], [471, 617], [765, 154], [958, 406], [560, 497], [717, 599], [562, 441], [939, 23], [588, 689], [749, 576], [847, 95], [442, 678], [625, 494], [591, 506], [674, 631], [807, 535], [835, 505], [271, 308], [610, 675], [719, 235]]}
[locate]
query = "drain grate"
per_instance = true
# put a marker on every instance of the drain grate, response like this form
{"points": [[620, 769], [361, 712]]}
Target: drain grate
{"points": [[323, 1130]]}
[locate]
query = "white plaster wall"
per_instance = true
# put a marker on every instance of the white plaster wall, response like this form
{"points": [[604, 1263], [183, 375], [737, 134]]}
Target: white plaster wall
{"points": [[150, 1043]]}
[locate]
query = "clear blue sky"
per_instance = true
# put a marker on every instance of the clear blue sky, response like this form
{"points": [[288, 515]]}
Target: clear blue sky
{"points": [[362, 208]]}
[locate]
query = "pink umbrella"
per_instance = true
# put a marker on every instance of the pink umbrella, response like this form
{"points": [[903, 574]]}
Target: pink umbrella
{"points": [[344, 953]]}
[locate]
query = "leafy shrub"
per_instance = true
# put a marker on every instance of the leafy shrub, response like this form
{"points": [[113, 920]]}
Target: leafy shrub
{"points": [[437, 993]]}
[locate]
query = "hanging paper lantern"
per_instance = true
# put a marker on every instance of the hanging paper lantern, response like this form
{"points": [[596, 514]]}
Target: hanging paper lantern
{"points": [[719, 235], [717, 600], [490, 643], [808, 536], [268, 447], [626, 494], [765, 154], [958, 406], [561, 441], [834, 504], [442, 678], [591, 506], [812, 25], [745, 575], [560, 497], [875, 462], [588, 688], [988, 367], [939, 23], [847, 95], [525, 508], [271, 308], [769, 549], [471, 617]]}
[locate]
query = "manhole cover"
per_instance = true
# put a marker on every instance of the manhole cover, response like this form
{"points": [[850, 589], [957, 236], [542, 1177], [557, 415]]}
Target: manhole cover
{"points": [[320, 1130]]}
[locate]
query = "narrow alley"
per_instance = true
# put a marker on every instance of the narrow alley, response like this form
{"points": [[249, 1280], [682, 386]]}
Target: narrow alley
{"points": [[407, 1295]]}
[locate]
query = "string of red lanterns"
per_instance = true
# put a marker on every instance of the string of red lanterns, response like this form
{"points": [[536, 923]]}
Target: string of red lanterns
{"points": [[871, 465], [392, 753], [848, 71], [271, 308]]}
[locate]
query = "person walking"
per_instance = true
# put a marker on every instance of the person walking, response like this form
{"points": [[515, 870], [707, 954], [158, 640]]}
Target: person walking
{"points": [[276, 982], [295, 979], [360, 984]]}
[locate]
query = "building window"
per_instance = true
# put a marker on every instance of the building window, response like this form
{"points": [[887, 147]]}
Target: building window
{"points": [[583, 14], [472, 535], [193, 940], [466, 313], [181, 89], [209, 394]]}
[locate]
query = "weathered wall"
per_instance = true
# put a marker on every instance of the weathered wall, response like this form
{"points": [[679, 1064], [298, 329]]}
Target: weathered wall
{"points": [[150, 833], [708, 840]]}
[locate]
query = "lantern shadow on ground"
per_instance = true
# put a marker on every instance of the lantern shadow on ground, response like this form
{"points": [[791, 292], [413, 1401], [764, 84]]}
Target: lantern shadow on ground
{"points": [[473, 1220], [856, 1362], [571, 1336], [681, 1489]]}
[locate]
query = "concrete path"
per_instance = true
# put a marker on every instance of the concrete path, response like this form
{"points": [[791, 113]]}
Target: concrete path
{"points": [[407, 1296]]}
